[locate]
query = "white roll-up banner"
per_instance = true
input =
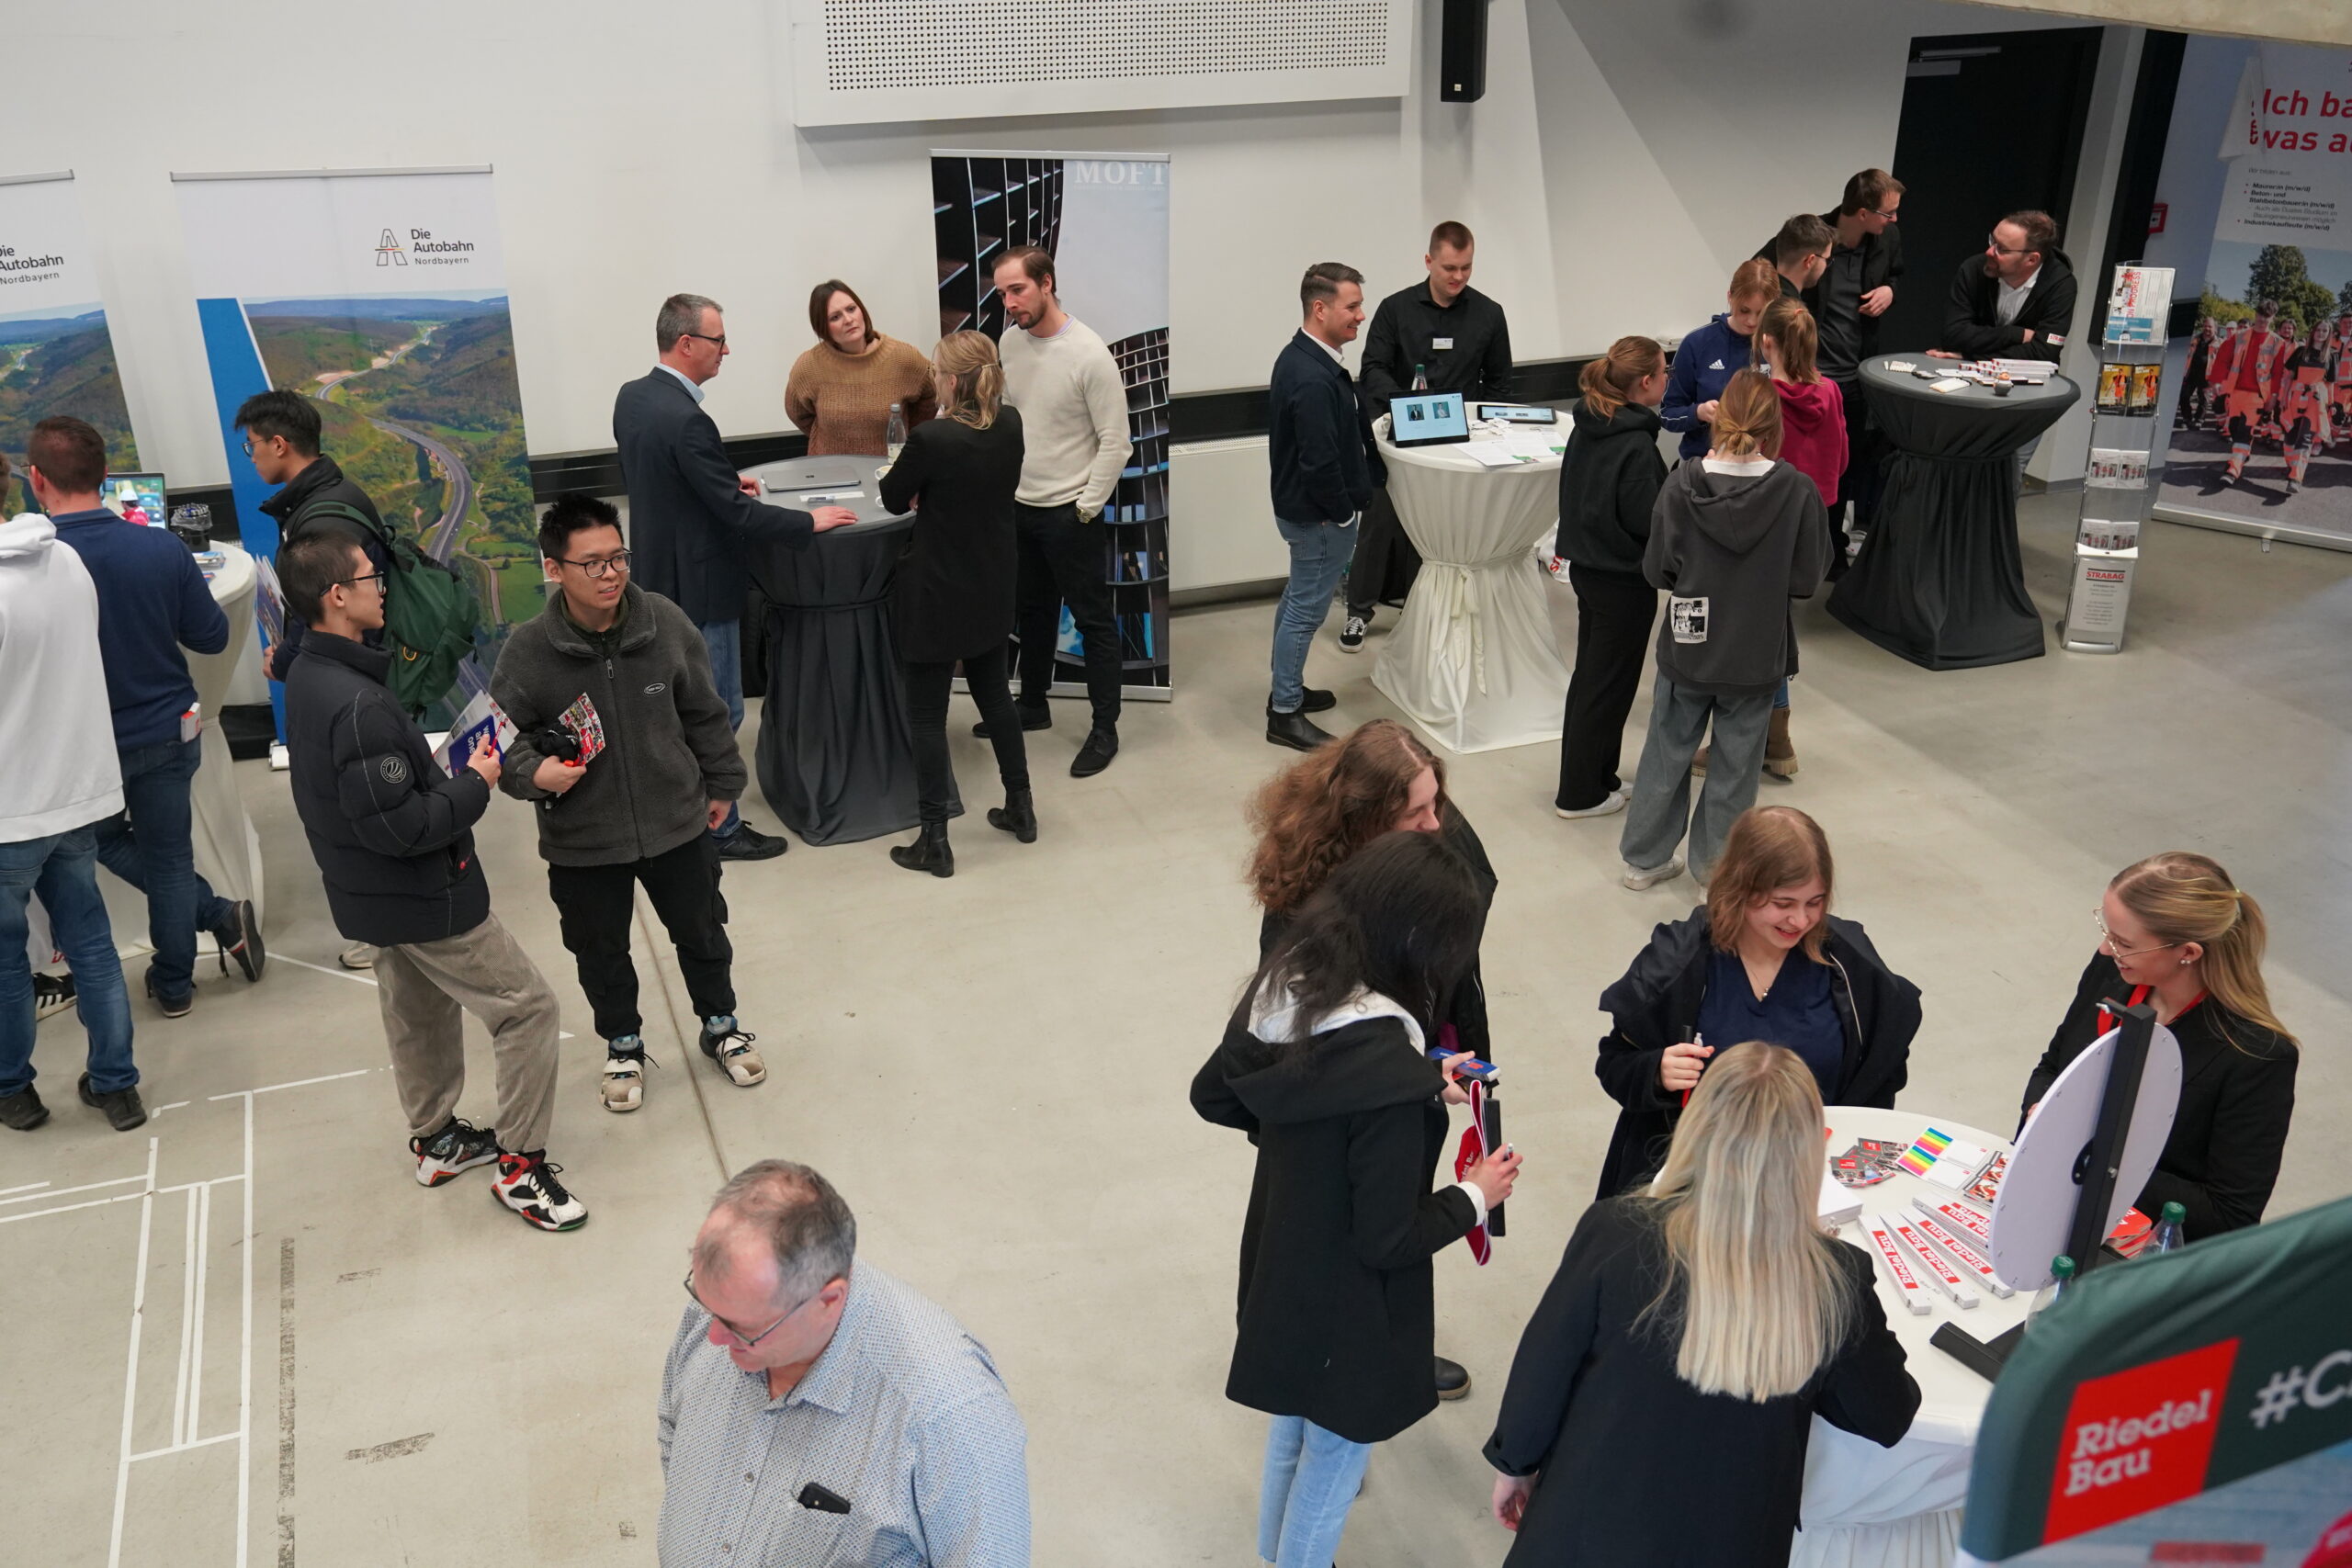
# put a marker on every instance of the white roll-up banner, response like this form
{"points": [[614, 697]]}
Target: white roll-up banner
{"points": [[56, 355]]}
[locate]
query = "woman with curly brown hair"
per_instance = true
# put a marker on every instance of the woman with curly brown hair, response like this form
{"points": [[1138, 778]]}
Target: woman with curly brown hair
{"points": [[1316, 814]]}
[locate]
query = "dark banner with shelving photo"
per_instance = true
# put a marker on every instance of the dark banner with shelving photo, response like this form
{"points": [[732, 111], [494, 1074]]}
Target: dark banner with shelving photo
{"points": [[1105, 221]]}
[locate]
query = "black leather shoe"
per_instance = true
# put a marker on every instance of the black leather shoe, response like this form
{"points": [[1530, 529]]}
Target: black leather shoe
{"points": [[1317, 701], [121, 1105], [928, 852], [239, 934], [1017, 816], [173, 1006], [1452, 1379], [1102, 745], [748, 842], [1039, 717], [1294, 730], [23, 1109]]}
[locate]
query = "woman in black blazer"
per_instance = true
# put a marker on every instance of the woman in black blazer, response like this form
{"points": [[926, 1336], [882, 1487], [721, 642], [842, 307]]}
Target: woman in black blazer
{"points": [[2176, 931], [953, 599], [1762, 958], [1663, 1393], [1325, 1067]]}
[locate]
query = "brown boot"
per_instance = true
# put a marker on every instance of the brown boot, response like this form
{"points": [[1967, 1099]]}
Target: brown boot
{"points": [[1779, 751]]}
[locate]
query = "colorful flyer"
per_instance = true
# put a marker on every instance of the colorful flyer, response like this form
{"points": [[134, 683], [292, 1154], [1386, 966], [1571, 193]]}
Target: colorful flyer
{"points": [[581, 719], [2144, 380], [2114, 389], [1923, 1152]]}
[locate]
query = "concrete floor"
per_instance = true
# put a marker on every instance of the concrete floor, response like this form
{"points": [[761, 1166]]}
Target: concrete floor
{"points": [[993, 1070]]}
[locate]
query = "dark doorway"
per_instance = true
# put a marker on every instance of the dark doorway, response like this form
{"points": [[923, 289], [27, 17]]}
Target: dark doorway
{"points": [[1992, 124]]}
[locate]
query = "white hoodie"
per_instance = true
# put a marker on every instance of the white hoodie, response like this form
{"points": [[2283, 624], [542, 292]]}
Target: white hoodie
{"points": [[58, 767]]}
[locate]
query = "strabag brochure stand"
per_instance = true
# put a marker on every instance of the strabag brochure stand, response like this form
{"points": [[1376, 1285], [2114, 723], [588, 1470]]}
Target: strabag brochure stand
{"points": [[2119, 482]]}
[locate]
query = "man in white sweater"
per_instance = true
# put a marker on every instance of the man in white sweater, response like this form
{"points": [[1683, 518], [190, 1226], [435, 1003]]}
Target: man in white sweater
{"points": [[1074, 422], [63, 779]]}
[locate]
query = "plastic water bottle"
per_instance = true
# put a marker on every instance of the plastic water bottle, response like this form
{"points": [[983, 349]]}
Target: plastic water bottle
{"points": [[2168, 1237], [1421, 377], [2061, 1269], [894, 440]]}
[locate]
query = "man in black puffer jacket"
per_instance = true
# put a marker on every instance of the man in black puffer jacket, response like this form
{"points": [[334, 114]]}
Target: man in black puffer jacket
{"points": [[394, 842]]}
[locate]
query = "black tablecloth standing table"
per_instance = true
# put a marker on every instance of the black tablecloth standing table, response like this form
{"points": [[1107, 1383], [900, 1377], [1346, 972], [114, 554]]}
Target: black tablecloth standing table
{"points": [[836, 754], [1940, 579]]}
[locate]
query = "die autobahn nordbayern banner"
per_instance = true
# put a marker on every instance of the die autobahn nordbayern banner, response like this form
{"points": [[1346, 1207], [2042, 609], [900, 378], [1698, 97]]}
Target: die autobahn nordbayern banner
{"points": [[56, 353], [380, 295]]}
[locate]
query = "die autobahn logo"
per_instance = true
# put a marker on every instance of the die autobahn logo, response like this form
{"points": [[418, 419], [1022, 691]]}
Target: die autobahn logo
{"points": [[421, 246]]}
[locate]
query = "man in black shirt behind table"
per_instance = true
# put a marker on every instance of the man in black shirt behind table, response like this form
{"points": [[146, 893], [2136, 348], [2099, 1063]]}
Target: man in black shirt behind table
{"points": [[1456, 338]]}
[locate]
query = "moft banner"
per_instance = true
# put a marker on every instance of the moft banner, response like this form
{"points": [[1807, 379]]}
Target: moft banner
{"points": [[1105, 221], [56, 356], [2189, 1407], [382, 296]]}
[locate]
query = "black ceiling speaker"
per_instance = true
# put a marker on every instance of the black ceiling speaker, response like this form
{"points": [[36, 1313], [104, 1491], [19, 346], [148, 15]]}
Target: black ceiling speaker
{"points": [[1462, 53]]}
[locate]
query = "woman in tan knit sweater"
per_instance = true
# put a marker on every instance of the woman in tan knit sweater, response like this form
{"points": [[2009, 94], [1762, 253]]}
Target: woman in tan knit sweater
{"points": [[840, 391]]}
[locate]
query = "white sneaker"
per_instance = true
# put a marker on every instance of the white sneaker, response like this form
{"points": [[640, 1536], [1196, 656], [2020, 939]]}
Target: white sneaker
{"points": [[1609, 807], [1637, 879], [732, 1049], [625, 1076], [527, 1184], [359, 955]]}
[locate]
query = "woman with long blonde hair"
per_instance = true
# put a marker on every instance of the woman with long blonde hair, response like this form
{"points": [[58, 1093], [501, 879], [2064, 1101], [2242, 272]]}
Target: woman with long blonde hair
{"points": [[1692, 1333], [954, 594], [2176, 932]]}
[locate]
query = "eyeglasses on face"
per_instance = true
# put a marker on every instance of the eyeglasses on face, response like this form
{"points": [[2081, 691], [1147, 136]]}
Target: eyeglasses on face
{"points": [[2116, 949], [737, 1334], [1889, 214], [601, 566], [375, 577], [1993, 242], [720, 340]]}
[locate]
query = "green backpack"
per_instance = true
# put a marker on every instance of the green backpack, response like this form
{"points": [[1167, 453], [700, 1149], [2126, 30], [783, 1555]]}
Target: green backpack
{"points": [[430, 611]]}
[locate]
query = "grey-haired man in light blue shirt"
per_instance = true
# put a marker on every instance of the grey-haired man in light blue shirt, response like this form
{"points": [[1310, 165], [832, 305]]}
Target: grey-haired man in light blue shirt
{"points": [[816, 1411]]}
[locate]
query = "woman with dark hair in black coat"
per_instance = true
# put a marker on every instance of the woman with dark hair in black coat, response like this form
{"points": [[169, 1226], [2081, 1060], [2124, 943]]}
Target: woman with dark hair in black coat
{"points": [[1325, 1066], [1761, 959]]}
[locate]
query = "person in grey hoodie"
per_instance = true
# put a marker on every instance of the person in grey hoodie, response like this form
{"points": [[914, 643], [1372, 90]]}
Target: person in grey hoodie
{"points": [[620, 678], [1736, 537]]}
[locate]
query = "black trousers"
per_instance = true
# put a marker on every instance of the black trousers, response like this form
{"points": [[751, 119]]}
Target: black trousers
{"points": [[593, 904], [928, 688], [1385, 561], [1063, 562], [1614, 610], [1866, 448]]}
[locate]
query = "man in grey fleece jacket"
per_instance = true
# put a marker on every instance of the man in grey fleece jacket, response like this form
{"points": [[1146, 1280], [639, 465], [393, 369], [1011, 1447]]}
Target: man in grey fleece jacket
{"points": [[609, 664]]}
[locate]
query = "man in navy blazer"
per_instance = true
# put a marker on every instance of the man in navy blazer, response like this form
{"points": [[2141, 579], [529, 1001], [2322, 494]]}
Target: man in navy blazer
{"points": [[690, 513], [1325, 470]]}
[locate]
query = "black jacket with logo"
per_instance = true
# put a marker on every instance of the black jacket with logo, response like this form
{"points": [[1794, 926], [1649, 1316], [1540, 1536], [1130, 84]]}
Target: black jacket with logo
{"points": [[1972, 327], [667, 748], [391, 833]]}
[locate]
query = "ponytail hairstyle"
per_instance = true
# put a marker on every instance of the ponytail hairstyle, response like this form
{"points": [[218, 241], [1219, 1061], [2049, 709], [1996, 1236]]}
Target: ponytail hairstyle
{"points": [[1608, 382], [1748, 417], [974, 377], [1795, 341], [2183, 897], [1762, 1299]]}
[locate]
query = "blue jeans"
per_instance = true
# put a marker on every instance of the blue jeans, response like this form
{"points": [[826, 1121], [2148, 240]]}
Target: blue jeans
{"points": [[147, 844], [1312, 1478], [64, 869], [1319, 553], [725, 640]]}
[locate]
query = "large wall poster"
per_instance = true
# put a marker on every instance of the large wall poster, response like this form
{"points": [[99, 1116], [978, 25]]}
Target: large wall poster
{"points": [[56, 354], [2262, 429], [1105, 221], [382, 296]]}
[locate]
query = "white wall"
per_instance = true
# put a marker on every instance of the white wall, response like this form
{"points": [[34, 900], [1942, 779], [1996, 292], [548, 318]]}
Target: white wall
{"points": [[1626, 156]]}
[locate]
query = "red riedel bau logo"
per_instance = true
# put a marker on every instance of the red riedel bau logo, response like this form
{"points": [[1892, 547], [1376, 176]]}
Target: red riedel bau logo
{"points": [[2138, 1439]]}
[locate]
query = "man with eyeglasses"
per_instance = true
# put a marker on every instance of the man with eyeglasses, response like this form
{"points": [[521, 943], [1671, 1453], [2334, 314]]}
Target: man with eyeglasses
{"points": [[691, 513], [2016, 301], [282, 432], [622, 739], [1853, 295], [392, 835], [816, 1410]]}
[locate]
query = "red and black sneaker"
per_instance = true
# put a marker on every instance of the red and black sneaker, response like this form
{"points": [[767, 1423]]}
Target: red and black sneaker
{"points": [[527, 1184], [460, 1145]]}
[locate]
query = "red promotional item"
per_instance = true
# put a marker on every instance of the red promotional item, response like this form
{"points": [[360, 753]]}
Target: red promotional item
{"points": [[1472, 1149]]}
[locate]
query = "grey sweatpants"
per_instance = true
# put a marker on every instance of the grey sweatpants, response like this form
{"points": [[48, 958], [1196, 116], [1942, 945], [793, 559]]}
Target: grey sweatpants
{"points": [[1660, 809], [424, 989]]}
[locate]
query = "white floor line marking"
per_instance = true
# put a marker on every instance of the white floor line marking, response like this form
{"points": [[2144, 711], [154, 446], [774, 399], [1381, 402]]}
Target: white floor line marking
{"points": [[28, 1186], [130, 1370], [188, 1322], [69, 1208], [339, 973], [203, 1271], [298, 1083], [85, 1187], [175, 1105], [183, 1448], [245, 1356]]}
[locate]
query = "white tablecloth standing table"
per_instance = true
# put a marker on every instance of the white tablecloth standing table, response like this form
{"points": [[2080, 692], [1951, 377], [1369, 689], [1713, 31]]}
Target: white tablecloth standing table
{"points": [[228, 851], [1866, 1507], [1472, 659]]}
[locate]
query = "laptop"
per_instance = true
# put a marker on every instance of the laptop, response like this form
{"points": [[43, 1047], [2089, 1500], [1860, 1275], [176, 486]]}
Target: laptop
{"points": [[137, 498], [1427, 418]]}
